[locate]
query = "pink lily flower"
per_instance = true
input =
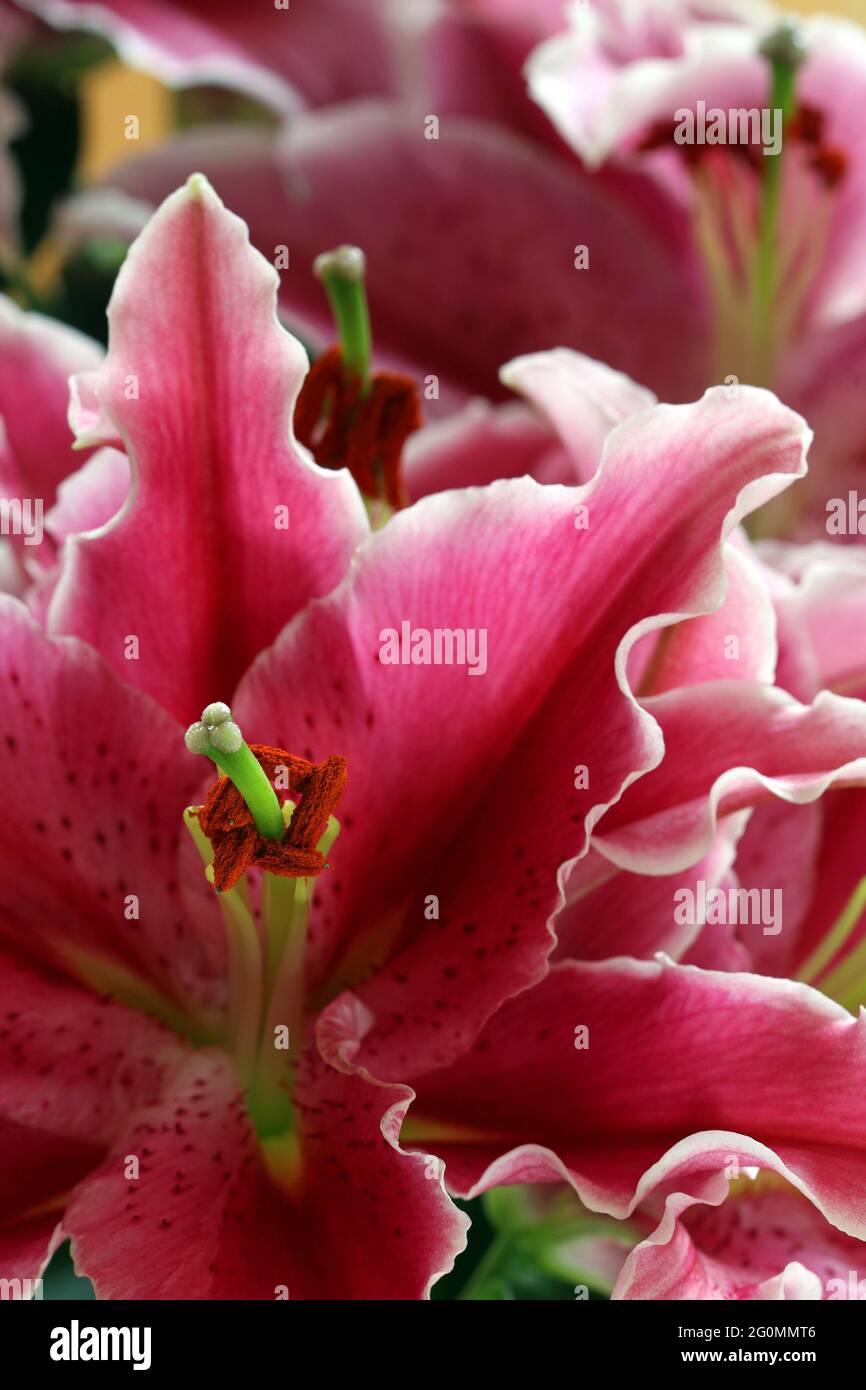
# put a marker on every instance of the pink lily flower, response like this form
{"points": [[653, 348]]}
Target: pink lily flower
{"points": [[683, 289], [776, 224], [462, 799], [745, 1239]]}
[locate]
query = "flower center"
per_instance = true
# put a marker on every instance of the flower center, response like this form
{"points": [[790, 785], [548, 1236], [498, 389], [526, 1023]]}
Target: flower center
{"points": [[250, 821], [763, 195], [345, 416]]}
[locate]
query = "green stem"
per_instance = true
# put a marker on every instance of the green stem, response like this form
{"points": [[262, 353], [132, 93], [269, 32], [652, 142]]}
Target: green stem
{"points": [[244, 962], [835, 938], [342, 274], [249, 777], [287, 939], [278, 911], [285, 913], [286, 1003], [846, 984], [781, 99], [781, 50]]}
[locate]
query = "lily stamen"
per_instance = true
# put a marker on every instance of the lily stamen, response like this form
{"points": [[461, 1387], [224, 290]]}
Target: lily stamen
{"points": [[345, 416], [235, 830]]}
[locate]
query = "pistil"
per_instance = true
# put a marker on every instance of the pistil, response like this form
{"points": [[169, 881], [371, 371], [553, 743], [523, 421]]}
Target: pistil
{"points": [[347, 416], [218, 736], [342, 273], [236, 830], [784, 51]]}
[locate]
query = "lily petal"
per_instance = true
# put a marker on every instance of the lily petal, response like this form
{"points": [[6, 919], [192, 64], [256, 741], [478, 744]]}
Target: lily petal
{"points": [[200, 382], [450, 777], [90, 838], [682, 1074], [71, 1066], [246, 1233], [758, 1243]]}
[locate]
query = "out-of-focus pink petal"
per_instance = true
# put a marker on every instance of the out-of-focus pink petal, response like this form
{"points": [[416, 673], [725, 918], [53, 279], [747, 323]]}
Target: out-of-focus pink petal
{"points": [[471, 244], [306, 51], [37, 358]]}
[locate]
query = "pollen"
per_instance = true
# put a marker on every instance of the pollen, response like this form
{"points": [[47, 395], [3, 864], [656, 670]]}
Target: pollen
{"points": [[237, 845], [362, 426]]}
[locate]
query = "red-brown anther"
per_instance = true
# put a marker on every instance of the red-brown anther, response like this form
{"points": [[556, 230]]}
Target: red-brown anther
{"points": [[363, 427], [238, 845], [806, 125], [658, 137], [830, 164]]}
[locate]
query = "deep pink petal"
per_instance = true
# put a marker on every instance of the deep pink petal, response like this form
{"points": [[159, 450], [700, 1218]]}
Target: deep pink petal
{"points": [[200, 382], [361, 1220], [780, 850], [71, 1066], [465, 788], [633, 914], [758, 1243], [91, 832], [730, 745], [816, 855], [685, 1072], [26, 1246]]}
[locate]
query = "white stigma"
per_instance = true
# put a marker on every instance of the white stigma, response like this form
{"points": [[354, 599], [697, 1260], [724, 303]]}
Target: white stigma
{"points": [[216, 731], [217, 713], [785, 45], [349, 262], [197, 738], [227, 738]]}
